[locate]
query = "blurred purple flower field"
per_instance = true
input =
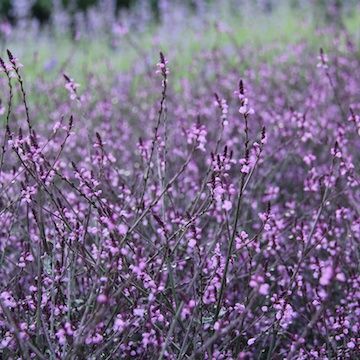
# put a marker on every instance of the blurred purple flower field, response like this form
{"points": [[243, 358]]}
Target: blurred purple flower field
{"points": [[213, 214]]}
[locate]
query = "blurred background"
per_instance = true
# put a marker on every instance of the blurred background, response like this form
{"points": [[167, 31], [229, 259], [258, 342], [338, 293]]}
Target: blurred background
{"points": [[72, 14], [88, 35]]}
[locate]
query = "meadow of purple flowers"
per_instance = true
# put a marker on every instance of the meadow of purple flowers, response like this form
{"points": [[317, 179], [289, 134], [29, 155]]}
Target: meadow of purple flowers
{"points": [[218, 221]]}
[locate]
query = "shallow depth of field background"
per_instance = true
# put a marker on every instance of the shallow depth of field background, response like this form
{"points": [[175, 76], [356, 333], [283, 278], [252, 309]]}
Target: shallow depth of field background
{"points": [[89, 35], [179, 179]]}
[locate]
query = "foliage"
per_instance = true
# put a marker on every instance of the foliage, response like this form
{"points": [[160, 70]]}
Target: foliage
{"points": [[179, 224], [205, 207]]}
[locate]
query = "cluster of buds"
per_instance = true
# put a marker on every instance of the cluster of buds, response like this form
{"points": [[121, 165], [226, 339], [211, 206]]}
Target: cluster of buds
{"points": [[163, 69], [335, 151], [222, 189], [71, 86], [14, 61], [11, 69], [6, 68], [223, 106], [244, 109], [245, 165], [197, 134], [13, 65]]}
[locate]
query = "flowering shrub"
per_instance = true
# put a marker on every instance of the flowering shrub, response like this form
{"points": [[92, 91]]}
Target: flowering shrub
{"points": [[152, 223]]}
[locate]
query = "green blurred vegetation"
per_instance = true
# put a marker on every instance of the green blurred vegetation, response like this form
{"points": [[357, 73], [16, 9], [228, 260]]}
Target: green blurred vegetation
{"points": [[47, 55], [282, 27]]}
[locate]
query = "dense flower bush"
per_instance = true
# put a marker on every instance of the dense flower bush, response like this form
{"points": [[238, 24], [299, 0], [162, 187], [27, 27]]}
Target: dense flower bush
{"points": [[213, 218]]}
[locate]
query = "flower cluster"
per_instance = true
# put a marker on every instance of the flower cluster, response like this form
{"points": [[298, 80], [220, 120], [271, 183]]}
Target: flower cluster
{"points": [[120, 239]]}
